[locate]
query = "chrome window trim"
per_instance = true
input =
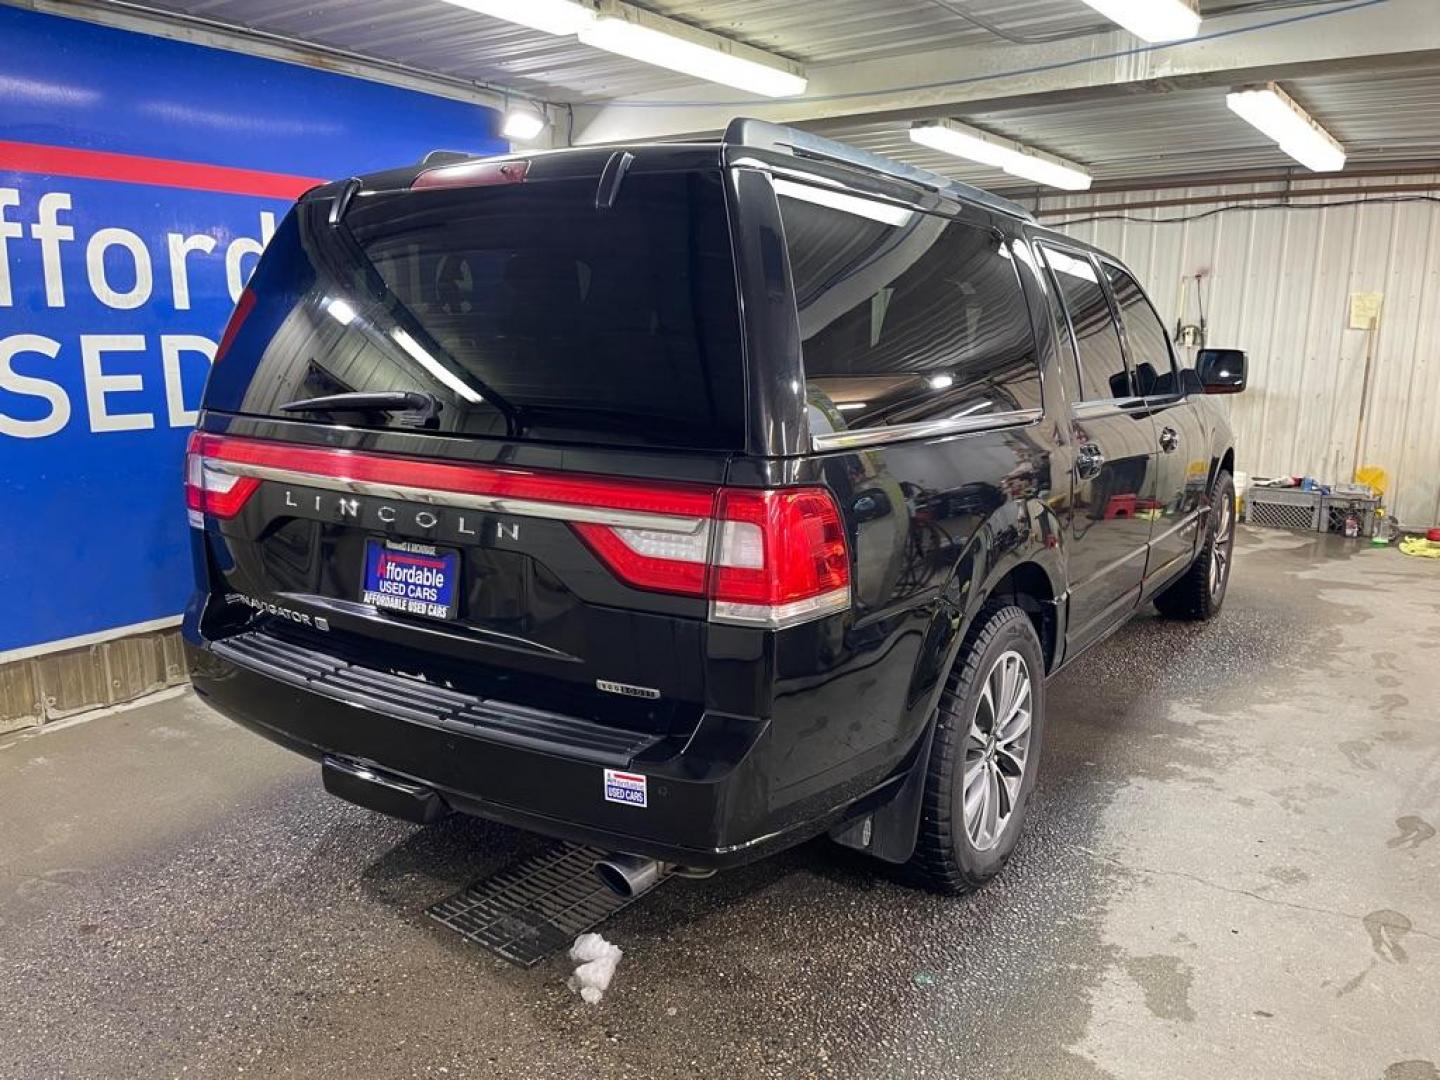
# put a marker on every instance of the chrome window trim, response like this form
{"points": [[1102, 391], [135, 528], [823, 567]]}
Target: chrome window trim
{"points": [[925, 429], [498, 504], [825, 183], [1102, 407], [1165, 401]]}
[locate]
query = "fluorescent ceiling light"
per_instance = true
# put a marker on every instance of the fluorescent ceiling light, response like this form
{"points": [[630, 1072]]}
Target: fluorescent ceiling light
{"points": [[548, 16], [1316, 156], [853, 406], [844, 202], [652, 39], [1276, 115], [433, 366], [957, 139], [522, 123], [1048, 171], [1152, 20], [341, 311]]}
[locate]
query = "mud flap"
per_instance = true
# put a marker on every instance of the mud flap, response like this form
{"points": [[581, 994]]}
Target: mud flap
{"points": [[889, 831]]}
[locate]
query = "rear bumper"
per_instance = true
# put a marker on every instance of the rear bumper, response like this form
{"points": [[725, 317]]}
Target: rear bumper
{"points": [[710, 801]]}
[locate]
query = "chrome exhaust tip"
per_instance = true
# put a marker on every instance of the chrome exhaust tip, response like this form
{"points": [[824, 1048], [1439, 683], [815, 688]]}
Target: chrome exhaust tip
{"points": [[628, 876]]}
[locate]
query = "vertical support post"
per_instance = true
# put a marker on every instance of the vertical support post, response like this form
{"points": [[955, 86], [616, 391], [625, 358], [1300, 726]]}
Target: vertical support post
{"points": [[1370, 336]]}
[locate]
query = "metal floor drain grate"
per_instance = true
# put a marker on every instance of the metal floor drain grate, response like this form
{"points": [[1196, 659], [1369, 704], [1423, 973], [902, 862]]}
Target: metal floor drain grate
{"points": [[532, 908]]}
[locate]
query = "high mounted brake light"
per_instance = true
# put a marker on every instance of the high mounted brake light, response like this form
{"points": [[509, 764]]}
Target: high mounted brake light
{"points": [[767, 558], [472, 174]]}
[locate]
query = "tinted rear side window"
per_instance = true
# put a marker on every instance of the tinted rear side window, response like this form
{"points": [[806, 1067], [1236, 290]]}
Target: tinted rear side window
{"points": [[523, 309], [914, 317], [1103, 373], [1144, 333]]}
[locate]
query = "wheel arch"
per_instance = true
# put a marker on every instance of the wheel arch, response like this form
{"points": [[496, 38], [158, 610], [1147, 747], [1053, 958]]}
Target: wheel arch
{"points": [[1029, 587], [1015, 553], [1227, 462], [1222, 441]]}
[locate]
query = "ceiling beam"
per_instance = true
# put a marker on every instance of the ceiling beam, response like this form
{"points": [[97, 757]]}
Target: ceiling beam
{"points": [[198, 30], [1275, 44]]}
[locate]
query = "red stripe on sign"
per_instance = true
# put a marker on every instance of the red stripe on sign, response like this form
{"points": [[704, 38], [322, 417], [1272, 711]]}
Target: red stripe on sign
{"points": [[162, 172], [627, 776]]}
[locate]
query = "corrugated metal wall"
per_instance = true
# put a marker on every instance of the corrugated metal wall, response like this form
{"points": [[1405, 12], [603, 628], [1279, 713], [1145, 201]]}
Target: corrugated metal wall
{"points": [[1277, 282]]}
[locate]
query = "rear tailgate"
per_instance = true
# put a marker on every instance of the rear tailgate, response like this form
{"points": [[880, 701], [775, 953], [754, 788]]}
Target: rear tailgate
{"points": [[517, 537]]}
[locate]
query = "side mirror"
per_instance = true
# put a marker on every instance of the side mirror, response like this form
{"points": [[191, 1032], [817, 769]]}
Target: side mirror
{"points": [[1221, 371]]}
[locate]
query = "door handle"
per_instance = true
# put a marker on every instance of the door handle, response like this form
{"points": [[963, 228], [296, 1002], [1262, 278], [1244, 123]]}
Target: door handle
{"points": [[1089, 460], [1169, 439]]}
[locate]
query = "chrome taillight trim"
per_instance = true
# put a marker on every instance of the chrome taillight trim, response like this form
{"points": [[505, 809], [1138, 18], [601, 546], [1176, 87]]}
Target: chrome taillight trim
{"points": [[498, 504], [779, 616]]}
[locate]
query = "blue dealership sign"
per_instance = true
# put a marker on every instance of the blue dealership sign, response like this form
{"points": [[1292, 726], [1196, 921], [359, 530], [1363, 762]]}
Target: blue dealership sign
{"points": [[139, 180]]}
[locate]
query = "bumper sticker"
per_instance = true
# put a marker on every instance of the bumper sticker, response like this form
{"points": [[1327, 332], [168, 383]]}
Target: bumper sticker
{"points": [[624, 787]]}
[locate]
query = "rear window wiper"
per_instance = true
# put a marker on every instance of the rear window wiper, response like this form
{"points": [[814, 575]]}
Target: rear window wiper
{"points": [[397, 309], [426, 407]]}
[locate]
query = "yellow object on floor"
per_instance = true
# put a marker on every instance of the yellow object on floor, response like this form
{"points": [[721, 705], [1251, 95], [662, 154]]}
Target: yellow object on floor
{"points": [[1418, 545], [1375, 476]]}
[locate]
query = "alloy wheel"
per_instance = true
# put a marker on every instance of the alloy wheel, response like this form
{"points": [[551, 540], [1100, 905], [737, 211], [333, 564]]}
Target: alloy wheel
{"points": [[996, 749], [1223, 544]]}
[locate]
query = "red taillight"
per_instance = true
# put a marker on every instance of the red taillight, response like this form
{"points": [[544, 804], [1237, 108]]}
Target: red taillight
{"points": [[502, 482], [780, 557], [762, 558], [655, 559], [209, 490]]}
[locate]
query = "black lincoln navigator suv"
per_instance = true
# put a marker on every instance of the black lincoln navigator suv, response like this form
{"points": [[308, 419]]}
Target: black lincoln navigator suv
{"points": [[691, 500]]}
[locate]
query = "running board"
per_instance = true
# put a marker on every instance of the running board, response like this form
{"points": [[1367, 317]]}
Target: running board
{"points": [[535, 907]]}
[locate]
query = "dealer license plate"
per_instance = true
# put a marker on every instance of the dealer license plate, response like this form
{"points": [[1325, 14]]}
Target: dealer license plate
{"points": [[418, 579]]}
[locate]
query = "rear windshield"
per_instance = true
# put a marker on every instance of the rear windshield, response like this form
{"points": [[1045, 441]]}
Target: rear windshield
{"points": [[522, 309]]}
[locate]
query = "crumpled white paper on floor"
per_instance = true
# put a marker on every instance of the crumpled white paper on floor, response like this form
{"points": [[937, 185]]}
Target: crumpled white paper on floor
{"points": [[598, 959]]}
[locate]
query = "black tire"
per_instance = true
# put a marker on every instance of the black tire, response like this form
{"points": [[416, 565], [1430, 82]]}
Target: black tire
{"points": [[947, 856], [1200, 591]]}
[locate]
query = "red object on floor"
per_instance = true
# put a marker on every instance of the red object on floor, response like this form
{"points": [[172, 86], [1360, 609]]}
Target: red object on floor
{"points": [[1433, 536], [1120, 506]]}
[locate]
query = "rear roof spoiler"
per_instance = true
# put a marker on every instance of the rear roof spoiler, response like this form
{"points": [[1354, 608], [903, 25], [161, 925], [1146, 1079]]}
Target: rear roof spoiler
{"points": [[763, 135], [447, 157]]}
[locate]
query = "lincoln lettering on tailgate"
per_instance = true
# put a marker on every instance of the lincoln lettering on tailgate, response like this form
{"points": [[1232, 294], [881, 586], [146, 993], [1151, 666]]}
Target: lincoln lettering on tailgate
{"points": [[419, 579]]}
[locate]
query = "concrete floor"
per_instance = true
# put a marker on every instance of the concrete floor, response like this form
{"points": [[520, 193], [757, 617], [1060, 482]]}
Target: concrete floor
{"points": [[1232, 871]]}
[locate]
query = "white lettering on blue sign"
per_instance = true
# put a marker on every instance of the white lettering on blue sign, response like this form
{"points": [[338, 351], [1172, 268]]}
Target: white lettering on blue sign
{"points": [[624, 787], [124, 271]]}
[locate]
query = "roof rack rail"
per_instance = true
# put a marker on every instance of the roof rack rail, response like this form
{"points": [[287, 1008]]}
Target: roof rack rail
{"points": [[761, 134]]}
